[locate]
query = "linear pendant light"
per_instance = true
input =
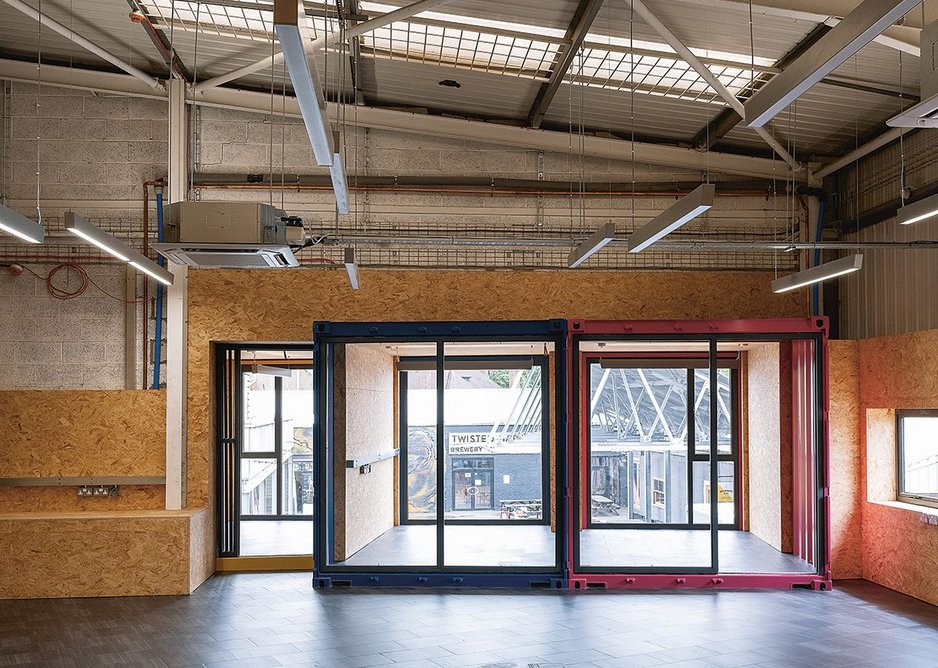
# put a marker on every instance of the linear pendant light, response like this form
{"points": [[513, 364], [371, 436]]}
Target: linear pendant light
{"points": [[822, 272], [591, 245], [114, 246], [290, 24], [856, 30], [920, 210], [684, 210], [20, 226], [268, 370], [351, 267]]}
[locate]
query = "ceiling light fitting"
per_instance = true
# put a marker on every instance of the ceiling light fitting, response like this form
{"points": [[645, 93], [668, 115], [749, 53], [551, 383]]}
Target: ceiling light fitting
{"points": [[114, 246], [591, 245], [822, 272], [13, 222], [683, 211], [290, 24], [352, 268], [918, 211], [844, 40]]}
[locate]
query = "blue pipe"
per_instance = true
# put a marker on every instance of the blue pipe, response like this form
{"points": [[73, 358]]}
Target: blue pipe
{"points": [[818, 236], [158, 346]]}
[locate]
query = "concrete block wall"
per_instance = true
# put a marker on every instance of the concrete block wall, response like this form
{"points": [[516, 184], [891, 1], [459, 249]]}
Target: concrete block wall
{"points": [[90, 147], [242, 143], [47, 343], [94, 152]]}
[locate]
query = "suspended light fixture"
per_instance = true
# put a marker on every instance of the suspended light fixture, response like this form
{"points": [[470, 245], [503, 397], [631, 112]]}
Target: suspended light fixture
{"points": [[684, 210], [351, 267], [917, 211], [268, 370], [290, 24], [856, 30], [13, 222], [114, 246], [593, 244], [822, 272]]}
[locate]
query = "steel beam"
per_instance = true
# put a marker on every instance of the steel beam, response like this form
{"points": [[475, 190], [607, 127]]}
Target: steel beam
{"points": [[583, 18], [712, 80], [844, 40], [873, 145], [730, 118], [322, 42], [70, 34]]}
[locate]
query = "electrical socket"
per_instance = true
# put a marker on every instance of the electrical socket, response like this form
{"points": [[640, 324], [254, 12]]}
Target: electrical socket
{"points": [[101, 490], [84, 490]]}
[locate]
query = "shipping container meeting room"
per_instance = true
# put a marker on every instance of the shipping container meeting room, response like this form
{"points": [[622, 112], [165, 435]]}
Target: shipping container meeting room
{"points": [[432, 333]]}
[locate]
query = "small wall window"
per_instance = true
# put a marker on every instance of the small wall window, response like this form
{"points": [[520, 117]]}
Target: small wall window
{"points": [[918, 456], [657, 492]]}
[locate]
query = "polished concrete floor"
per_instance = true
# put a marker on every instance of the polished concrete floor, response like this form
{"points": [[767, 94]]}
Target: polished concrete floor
{"points": [[276, 537], [738, 551], [277, 619], [464, 545]]}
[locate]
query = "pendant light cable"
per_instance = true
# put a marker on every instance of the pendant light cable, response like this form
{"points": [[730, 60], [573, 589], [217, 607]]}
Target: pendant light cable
{"points": [[38, 116]]}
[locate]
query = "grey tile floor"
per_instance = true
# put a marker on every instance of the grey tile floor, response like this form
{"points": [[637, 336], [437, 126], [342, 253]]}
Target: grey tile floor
{"points": [[277, 619]]}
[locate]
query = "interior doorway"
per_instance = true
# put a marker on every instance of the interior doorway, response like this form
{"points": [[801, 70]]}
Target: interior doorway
{"points": [[267, 472]]}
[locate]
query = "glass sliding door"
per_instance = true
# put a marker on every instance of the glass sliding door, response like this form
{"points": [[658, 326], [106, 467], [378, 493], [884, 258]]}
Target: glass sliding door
{"points": [[495, 462], [276, 459], [385, 472], [648, 472]]}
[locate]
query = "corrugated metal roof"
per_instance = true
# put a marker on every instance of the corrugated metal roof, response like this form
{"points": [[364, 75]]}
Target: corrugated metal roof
{"points": [[825, 121], [715, 28], [104, 22], [555, 14], [417, 84], [656, 116]]}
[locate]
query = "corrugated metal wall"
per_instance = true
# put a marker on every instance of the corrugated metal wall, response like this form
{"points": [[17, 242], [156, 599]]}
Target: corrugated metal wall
{"points": [[897, 290]]}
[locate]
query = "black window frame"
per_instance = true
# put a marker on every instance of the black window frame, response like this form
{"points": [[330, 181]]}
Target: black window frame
{"points": [[906, 497], [693, 454], [541, 361]]}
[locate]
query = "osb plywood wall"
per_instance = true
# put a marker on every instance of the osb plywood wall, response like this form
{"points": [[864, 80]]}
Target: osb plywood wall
{"points": [[201, 547], [82, 433], [769, 446], [237, 305], [895, 372], [364, 427], [845, 494], [94, 554], [66, 499]]}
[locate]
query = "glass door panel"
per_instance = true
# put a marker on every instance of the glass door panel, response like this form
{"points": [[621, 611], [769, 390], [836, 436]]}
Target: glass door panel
{"points": [[496, 500], [641, 509], [419, 434], [277, 457], [297, 443], [368, 481]]}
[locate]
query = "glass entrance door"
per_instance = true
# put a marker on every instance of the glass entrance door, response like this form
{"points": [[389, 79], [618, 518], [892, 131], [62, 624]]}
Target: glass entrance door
{"points": [[649, 471], [472, 487], [276, 459], [496, 434]]}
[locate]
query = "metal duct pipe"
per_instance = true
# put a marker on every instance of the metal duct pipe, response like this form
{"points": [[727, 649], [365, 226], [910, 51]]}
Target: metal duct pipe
{"points": [[475, 185]]}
